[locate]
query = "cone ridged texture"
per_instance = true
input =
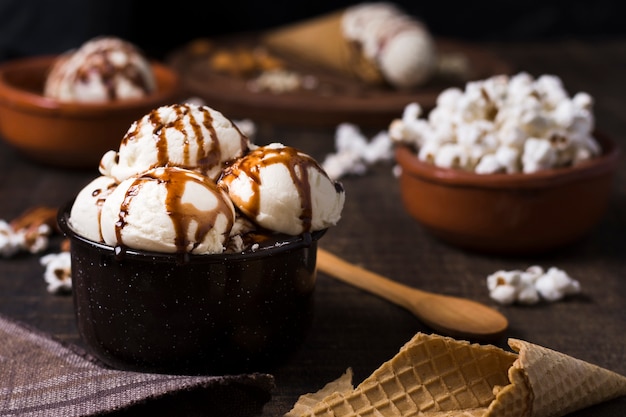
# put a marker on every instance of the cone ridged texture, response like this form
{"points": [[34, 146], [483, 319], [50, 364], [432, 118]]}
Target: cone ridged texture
{"points": [[436, 376]]}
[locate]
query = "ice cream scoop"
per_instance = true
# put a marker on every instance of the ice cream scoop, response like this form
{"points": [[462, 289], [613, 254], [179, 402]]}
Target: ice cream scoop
{"points": [[399, 44], [284, 190], [170, 210], [85, 213], [102, 69], [374, 42], [183, 135]]}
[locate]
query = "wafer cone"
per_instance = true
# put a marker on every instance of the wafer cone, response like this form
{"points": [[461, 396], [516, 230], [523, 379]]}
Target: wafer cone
{"points": [[435, 376], [320, 41], [546, 383]]}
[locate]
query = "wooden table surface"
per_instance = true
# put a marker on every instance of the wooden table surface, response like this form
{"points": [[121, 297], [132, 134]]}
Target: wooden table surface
{"points": [[358, 330]]}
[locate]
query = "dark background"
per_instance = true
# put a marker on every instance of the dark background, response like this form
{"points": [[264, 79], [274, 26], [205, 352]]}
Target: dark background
{"points": [[32, 27]]}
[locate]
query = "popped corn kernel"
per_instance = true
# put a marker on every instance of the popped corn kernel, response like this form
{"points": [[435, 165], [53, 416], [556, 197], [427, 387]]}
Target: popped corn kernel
{"points": [[531, 285], [354, 152], [58, 273], [502, 113]]}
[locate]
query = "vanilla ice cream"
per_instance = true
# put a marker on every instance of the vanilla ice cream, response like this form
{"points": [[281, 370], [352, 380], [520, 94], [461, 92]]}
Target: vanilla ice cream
{"points": [[183, 135], [169, 210], [101, 70], [284, 190], [399, 44], [186, 180], [85, 213]]}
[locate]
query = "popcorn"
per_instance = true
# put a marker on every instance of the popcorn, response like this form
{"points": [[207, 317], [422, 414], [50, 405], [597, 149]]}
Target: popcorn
{"points": [[502, 125], [11, 242], [27, 233], [355, 152], [58, 273], [531, 285]]}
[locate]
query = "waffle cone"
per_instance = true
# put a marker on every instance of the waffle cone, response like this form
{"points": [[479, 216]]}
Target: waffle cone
{"points": [[430, 374], [320, 42], [436, 376], [546, 383]]}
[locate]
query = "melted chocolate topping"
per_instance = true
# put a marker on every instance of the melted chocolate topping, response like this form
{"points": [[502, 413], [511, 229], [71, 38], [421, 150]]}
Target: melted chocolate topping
{"points": [[205, 159], [297, 164], [99, 62], [181, 214]]}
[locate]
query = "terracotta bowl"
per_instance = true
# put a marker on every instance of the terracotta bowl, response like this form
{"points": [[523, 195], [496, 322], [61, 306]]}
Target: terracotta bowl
{"points": [[508, 213], [198, 314], [68, 134]]}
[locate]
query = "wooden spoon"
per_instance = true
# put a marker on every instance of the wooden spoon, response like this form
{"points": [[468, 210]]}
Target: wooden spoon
{"points": [[453, 316]]}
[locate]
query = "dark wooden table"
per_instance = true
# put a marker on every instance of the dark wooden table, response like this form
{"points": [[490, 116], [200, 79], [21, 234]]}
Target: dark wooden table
{"points": [[356, 329]]}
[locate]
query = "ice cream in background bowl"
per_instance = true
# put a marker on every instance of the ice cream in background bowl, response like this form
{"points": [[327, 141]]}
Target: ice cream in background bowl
{"points": [[103, 69], [67, 110], [177, 267]]}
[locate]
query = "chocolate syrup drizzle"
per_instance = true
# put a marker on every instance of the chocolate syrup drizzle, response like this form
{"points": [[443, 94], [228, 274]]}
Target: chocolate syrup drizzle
{"points": [[98, 61], [297, 164], [181, 214], [101, 194], [205, 159]]}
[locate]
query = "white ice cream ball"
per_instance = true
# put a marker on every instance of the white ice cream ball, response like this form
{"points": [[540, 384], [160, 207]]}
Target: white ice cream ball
{"points": [[284, 190], [181, 135], [170, 210], [408, 59], [103, 69], [85, 213]]}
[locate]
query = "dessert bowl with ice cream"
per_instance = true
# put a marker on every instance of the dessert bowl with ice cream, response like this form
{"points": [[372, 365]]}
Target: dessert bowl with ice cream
{"points": [[67, 110], [194, 250], [509, 164]]}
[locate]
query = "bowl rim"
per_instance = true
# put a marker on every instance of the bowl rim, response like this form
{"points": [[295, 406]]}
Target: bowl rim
{"points": [[604, 163], [281, 246], [168, 85]]}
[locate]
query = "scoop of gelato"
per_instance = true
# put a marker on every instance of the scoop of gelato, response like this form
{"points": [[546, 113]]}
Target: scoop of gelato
{"points": [[85, 213], [170, 210], [398, 43], [101, 70], [183, 135], [284, 190]]}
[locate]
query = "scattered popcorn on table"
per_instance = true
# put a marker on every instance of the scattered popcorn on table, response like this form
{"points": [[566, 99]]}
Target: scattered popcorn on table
{"points": [[354, 152], [58, 274], [33, 239], [502, 125], [531, 286]]}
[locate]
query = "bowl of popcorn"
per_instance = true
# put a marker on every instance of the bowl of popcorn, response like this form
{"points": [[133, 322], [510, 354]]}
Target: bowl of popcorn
{"points": [[195, 251], [67, 110], [509, 164]]}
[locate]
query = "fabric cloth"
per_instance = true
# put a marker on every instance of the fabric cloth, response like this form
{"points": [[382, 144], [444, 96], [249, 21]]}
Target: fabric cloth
{"points": [[42, 377]]}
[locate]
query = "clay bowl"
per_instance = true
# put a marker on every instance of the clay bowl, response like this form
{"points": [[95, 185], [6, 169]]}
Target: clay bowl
{"points": [[73, 135], [198, 314], [508, 213]]}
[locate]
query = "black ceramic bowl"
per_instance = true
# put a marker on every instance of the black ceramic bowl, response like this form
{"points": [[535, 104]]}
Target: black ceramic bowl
{"points": [[201, 314]]}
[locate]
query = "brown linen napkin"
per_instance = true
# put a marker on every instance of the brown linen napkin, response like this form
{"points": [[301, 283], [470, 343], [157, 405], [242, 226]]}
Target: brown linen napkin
{"points": [[42, 377]]}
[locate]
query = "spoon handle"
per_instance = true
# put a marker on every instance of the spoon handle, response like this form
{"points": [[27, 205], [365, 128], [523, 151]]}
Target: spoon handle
{"points": [[366, 280], [455, 316]]}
